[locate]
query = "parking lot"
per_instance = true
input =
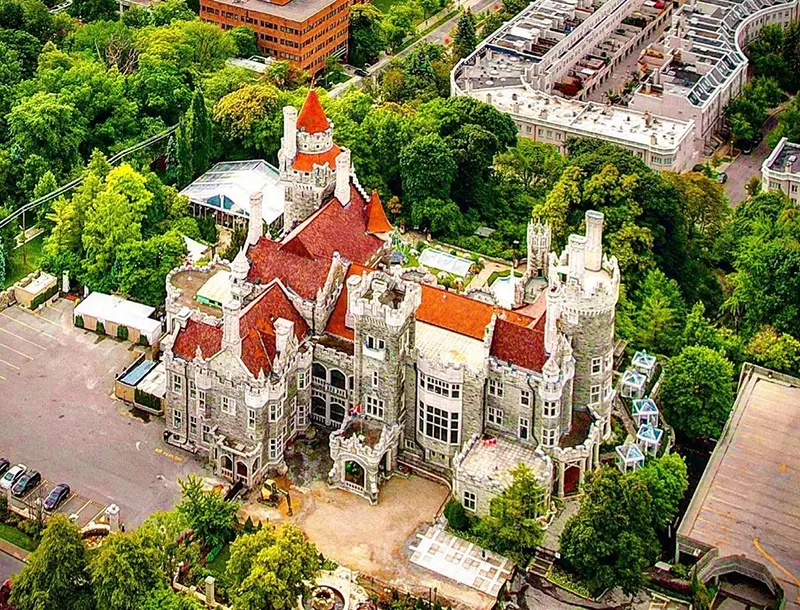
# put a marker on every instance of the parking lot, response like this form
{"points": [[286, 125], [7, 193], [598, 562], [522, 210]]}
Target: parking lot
{"points": [[58, 416]]}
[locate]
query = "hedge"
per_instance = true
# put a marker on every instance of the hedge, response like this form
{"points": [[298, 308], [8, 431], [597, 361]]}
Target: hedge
{"points": [[122, 332]]}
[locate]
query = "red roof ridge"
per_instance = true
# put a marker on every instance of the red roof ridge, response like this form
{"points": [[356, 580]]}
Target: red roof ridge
{"points": [[312, 117], [376, 215]]}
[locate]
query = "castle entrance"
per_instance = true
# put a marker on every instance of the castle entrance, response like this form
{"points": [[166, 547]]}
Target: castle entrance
{"points": [[572, 476]]}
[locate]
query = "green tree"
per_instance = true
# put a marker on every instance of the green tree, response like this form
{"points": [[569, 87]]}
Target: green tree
{"points": [[667, 481], [55, 576], [165, 12], [660, 314], [399, 23], [611, 541], [94, 10], [457, 517], [465, 38], [536, 166], [199, 131], [780, 352], [166, 533], [492, 22], [245, 41], [47, 184], [141, 267], [167, 599], [438, 216], [512, 526], [427, 169], [208, 514], [697, 392], [366, 34], [2, 268], [565, 195], [124, 573], [269, 569]]}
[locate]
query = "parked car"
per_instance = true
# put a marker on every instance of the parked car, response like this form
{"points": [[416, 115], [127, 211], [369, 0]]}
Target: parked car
{"points": [[26, 483], [12, 475], [58, 494], [361, 72], [4, 465], [722, 177]]}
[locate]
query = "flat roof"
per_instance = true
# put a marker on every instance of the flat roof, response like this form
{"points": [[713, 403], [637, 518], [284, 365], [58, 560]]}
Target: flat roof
{"points": [[295, 10], [785, 158], [109, 308], [155, 382], [748, 500], [436, 343], [492, 462], [217, 289]]}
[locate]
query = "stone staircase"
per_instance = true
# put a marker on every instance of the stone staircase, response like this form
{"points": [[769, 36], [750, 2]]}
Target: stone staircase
{"points": [[543, 560]]}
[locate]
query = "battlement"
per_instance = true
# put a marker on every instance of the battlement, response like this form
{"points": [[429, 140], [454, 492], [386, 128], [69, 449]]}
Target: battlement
{"points": [[383, 298]]}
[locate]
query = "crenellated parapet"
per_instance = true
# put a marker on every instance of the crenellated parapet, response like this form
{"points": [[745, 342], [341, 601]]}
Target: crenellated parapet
{"points": [[382, 299]]}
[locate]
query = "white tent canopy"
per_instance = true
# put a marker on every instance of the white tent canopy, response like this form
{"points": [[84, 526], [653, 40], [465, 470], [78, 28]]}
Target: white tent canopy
{"points": [[107, 308]]}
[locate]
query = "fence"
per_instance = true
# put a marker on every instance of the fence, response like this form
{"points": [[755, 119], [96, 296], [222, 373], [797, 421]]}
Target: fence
{"points": [[73, 183]]}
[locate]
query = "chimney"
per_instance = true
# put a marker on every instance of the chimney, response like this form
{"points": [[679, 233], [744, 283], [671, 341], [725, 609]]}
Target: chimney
{"points": [[230, 326], [342, 192], [289, 132], [594, 240], [255, 227], [283, 333], [577, 256], [656, 76]]}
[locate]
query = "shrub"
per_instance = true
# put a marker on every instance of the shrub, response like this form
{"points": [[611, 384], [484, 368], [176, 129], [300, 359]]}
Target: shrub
{"points": [[4, 512], [79, 321], [100, 328], [456, 516], [143, 341], [122, 333]]}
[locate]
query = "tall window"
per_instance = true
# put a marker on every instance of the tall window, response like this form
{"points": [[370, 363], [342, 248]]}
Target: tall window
{"points": [[550, 408], [375, 407], [177, 383], [608, 363], [524, 428], [192, 425], [201, 399], [251, 419], [438, 424], [177, 419], [302, 380], [470, 501], [375, 343], [495, 388], [192, 390], [228, 405], [275, 447], [494, 416], [549, 437], [594, 394], [525, 398], [206, 433], [607, 389], [597, 365], [376, 379], [275, 411]]}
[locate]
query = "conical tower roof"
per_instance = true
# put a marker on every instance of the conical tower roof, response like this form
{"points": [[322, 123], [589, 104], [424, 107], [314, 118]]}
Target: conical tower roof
{"points": [[312, 117]]}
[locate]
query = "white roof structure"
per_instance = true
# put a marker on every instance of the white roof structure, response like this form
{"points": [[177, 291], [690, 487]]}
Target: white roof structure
{"points": [[108, 308], [443, 261], [228, 185], [217, 290], [255, 63], [155, 382], [436, 343]]}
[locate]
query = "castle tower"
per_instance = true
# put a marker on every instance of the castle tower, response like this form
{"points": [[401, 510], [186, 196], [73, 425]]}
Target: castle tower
{"points": [[308, 162], [382, 310], [581, 301], [538, 248]]}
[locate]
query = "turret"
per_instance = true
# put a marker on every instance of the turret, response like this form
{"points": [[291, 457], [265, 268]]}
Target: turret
{"points": [[289, 141], [594, 240], [342, 192], [255, 226], [231, 338]]}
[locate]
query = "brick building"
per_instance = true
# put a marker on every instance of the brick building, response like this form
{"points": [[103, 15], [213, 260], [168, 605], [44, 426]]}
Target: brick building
{"points": [[303, 32], [321, 328]]}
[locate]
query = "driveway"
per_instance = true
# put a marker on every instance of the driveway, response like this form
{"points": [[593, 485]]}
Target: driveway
{"points": [[744, 167], [59, 415], [9, 566]]}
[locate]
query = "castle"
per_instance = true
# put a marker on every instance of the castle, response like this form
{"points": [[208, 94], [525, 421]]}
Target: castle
{"points": [[319, 327]]}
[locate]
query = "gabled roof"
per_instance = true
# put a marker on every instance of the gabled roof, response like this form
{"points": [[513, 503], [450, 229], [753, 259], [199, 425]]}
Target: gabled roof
{"points": [[334, 228], [312, 117], [257, 330], [197, 334], [304, 274], [376, 215], [649, 433], [521, 346], [630, 453]]}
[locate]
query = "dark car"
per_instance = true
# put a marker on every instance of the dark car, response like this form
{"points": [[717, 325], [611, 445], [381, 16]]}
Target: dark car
{"points": [[27, 482], [722, 177], [361, 72], [59, 493], [4, 465]]}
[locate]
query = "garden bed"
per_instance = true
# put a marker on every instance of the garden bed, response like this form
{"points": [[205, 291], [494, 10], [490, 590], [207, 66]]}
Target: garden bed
{"points": [[11, 534]]}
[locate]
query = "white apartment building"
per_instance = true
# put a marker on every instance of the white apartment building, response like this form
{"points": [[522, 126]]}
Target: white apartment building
{"points": [[781, 170], [699, 65]]}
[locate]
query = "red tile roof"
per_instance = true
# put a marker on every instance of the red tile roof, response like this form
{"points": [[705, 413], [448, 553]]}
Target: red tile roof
{"points": [[305, 162], [302, 273], [522, 346], [312, 117], [336, 321], [197, 334], [376, 216], [461, 314], [257, 330], [334, 228]]}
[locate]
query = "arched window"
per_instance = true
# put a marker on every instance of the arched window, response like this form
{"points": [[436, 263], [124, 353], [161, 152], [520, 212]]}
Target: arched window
{"points": [[338, 380], [319, 371]]}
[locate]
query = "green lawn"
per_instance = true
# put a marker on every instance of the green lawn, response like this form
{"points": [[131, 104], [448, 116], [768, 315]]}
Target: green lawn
{"points": [[384, 5], [24, 260], [11, 534], [220, 561]]}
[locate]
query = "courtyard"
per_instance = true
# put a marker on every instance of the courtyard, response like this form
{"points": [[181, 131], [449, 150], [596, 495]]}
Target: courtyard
{"points": [[60, 417]]}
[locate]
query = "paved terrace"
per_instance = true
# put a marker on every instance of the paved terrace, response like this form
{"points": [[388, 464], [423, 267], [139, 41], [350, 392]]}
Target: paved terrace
{"points": [[747, 501]]}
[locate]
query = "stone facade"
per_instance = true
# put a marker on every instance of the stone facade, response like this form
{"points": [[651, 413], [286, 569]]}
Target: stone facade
{"points": [[398, 371]]}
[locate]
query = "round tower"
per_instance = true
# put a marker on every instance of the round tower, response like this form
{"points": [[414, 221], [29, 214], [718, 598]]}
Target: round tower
{"points": [[581, 300]]}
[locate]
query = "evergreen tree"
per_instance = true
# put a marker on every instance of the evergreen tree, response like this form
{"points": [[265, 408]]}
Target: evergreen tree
{"points": [[172, 169], [465, 39], [183, 155], [199, 133]]}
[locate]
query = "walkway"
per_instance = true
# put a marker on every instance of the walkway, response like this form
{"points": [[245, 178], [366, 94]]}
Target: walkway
{"points": [[744, 167]]}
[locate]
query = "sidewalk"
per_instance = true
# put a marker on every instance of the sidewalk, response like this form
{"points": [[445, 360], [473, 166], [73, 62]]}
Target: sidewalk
{"points": [[13, 550]]}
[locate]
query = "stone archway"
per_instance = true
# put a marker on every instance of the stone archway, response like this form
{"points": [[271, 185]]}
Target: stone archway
{"points": [[242, 472], [572, 477], [355, 474], [226, 466]]}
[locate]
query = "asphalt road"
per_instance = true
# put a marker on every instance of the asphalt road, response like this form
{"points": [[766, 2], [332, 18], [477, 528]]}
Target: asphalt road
{"points": [[9, 566], [745, 167], [58, 415]]}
